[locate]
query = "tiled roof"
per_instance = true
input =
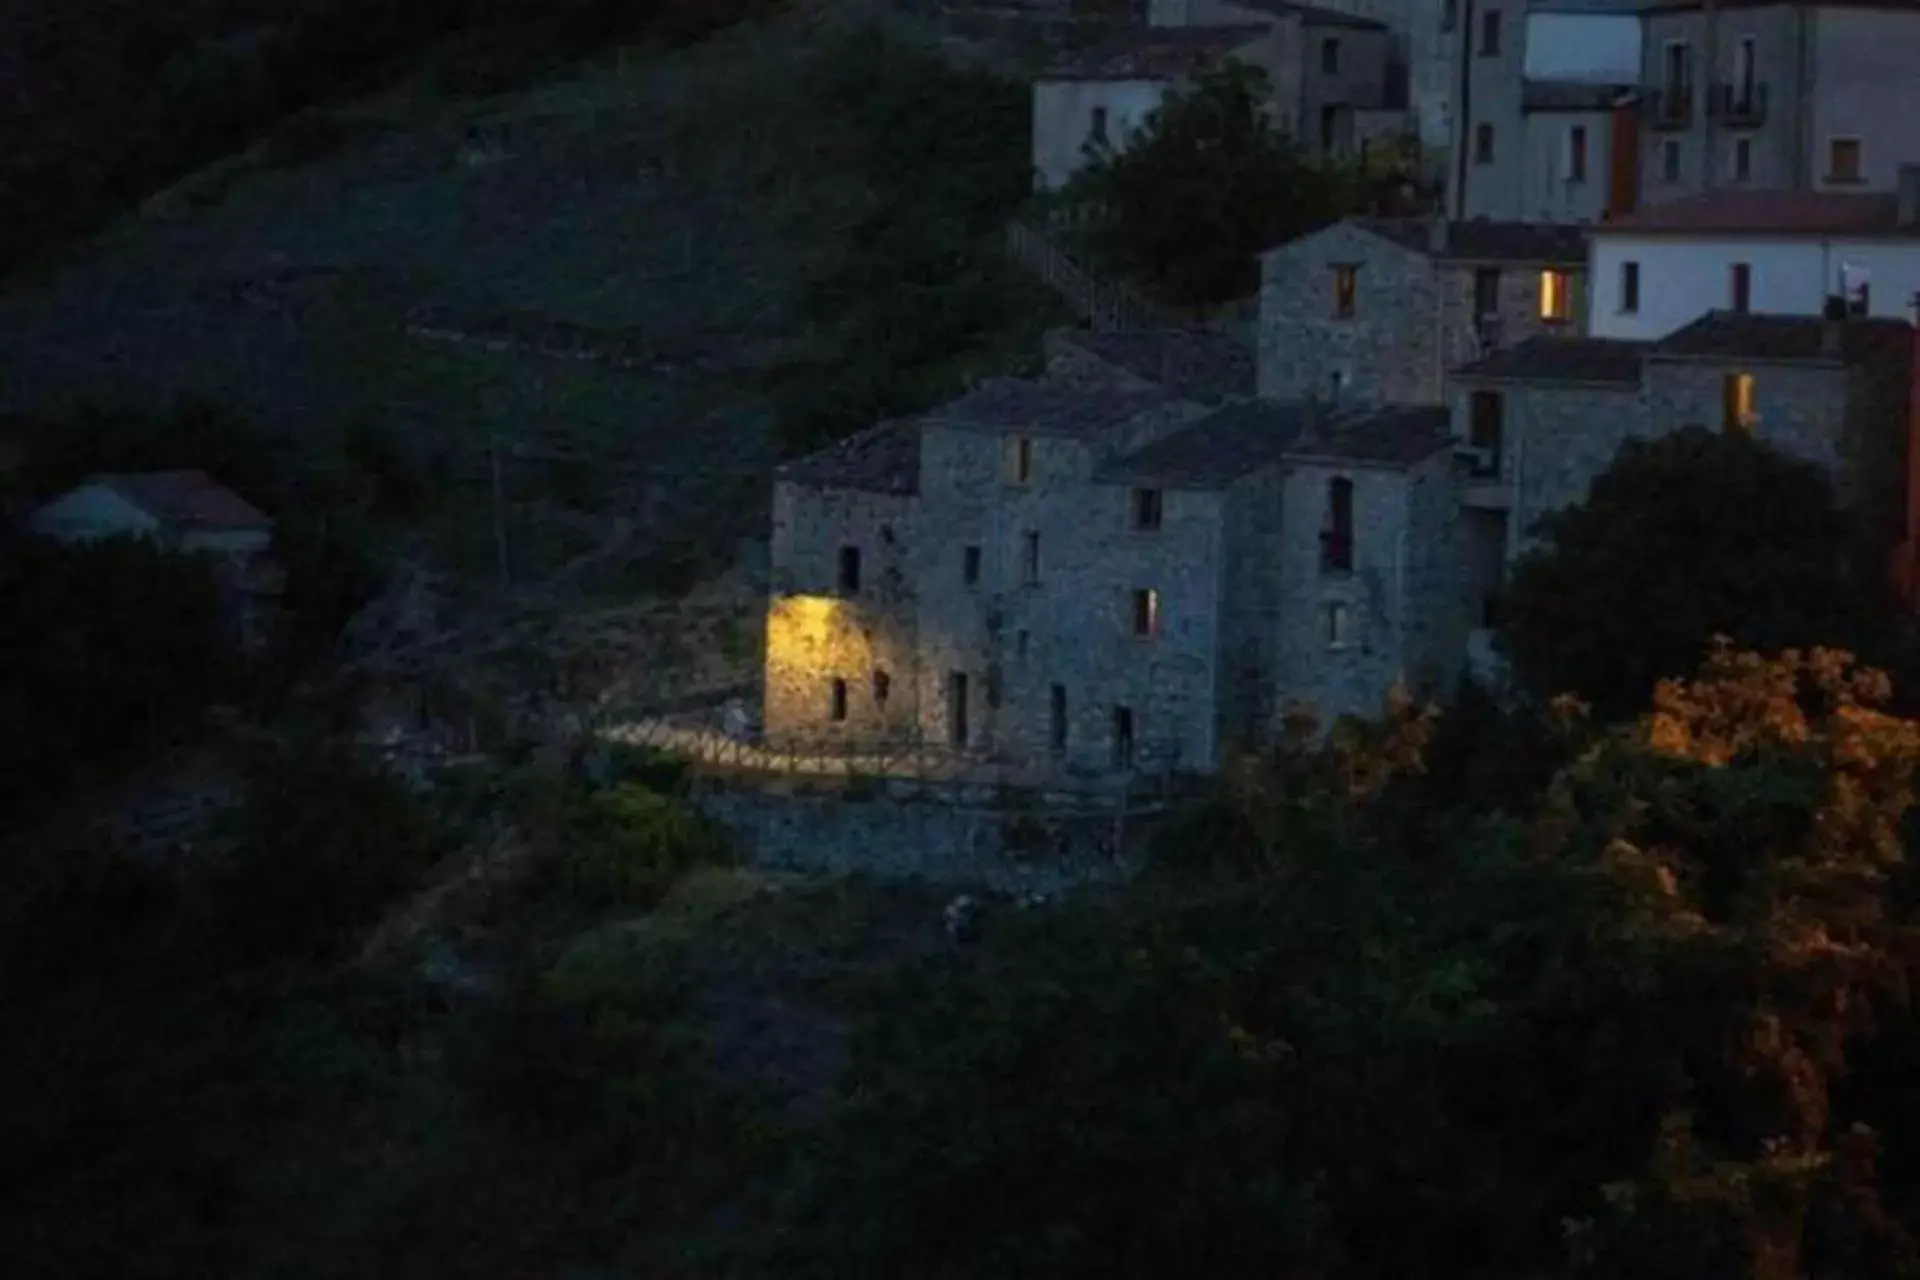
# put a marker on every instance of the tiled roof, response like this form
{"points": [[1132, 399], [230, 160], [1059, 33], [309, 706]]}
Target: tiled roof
{"points": [[1394, 434], [1314, 15], [1048, 409], [1769, 212], [1243, 438], [191, 498], [1571, 95], [1669, 6], [1550, 359], [1737, 335], [1200, 365], [882, 459], [1155, 53], [1217, 450], [1481, 240]]}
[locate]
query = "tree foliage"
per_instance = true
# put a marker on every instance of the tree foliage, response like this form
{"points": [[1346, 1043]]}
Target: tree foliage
{"points": [[1206, 185], [1681, 538]]}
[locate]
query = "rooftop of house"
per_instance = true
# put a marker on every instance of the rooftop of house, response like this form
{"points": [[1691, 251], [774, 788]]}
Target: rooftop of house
{"points": [[1668, 6], [1200, 365], [1048, 408], [1561, 359], [192, 499], [1483, 240], [1155, 53], [883, 459], [1572, 95], [1739, 335], [1314, 15], [1742, 212], [1243, 438]]}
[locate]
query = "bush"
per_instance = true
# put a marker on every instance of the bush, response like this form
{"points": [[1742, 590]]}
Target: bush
{"points": [[627, 845]]}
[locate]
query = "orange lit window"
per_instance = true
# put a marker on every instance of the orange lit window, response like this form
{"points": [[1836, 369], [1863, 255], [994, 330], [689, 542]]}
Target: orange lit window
{"points": [[1556, 296]]}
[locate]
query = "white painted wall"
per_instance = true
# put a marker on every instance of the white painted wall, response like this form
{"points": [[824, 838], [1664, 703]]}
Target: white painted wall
{"points": [[1683, 277], [1063, 115], [1867, 67], [1584, 46]]}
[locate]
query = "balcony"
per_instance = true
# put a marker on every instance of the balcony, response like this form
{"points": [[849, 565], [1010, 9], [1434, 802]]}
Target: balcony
{"points": [[1670, 108], [1739, 106]]}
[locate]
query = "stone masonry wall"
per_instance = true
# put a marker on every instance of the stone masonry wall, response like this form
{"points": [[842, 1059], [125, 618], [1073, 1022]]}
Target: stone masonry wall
{"points": [[1802, 408], [816, 633], [1388, 351], [1353, 674], [1014, 640], [1434, 625], [1251, 608], [1558, 437]]}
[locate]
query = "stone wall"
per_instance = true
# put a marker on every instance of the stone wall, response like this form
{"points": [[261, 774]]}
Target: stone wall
{"points": [[817, 633], [1802, 408], [1434, 621], [1011, 849], [1388, 351], [1252, 608]]}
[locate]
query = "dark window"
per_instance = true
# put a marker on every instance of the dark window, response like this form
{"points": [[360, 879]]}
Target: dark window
{"points": [[1020, 459], [1336, 539], [1740, 287], [1577, 154], [1486, 292], [882, 686], [1843, 160], [1020, 644], [1346, 285], [839, 710], [1336, 624], [1123, 737], [1483, 144], [1669, 162], [1679, 73], [1330, 55], [850, 569], [1030, 561], [1057, 717], [1329, 128], [1146, 508], [1486, 412], [957, 708], [1097, 126], [1449, 14], [1742, 159], [970, 566], [1146, 612], [1629, 286], [1490, 34]]}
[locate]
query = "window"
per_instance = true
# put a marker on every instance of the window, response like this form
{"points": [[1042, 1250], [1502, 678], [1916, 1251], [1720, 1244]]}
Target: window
{"points": [[1485, 411], [1336, 625], [1329, 128], [1737, 405], [1678, 84], [839, 708], [1740, 286], [1030, 560], [1483, 144], [1629, 287], [1346, 284], [1843, 160], [1670, 161], [1097, 126], [1123, 737], [1020, 644], [1336, 539], [1556, 297], [970, 566], [1743, 159], [1146, 612], [882, 686], [957, 708], [1490, 34], [1330, 55], [1744, 62], [1449, 14], [1020, 459], [1577, 153], [1486, 292], [1057, 717], [1146, 508], [850, 570]]}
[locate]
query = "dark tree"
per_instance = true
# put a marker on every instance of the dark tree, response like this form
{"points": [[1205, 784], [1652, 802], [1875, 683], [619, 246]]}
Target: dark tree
{"points": [[1682, 538]]}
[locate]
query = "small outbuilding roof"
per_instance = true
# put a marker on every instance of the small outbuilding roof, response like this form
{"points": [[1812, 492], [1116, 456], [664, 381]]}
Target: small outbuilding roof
{"points": [[192, 499]]}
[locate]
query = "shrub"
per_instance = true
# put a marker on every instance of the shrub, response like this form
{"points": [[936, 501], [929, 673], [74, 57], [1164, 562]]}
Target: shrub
{"points": [[627, 845]]}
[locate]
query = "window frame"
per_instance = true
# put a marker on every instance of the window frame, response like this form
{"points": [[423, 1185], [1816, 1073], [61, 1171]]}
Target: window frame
{"points": [[1146, 509], [1739, 402], [1030, 558], [1576, 153], [1346, 290], [1020, 460], [970, 563], [1336, 623], [1146, 619], [1491, 33], [847, 574], [1336, 531], [837, 700], [1477, 399], [1556, 296], [1740, 287], [1630, 287], [1833, 176], [1330, 55], [1742, 160]]}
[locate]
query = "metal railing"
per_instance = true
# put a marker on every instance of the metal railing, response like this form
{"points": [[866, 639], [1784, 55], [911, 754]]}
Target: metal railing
{"points": [[1739, 105], [1111, 306]]}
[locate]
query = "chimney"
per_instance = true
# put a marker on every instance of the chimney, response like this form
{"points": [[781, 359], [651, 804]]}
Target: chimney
{"points": [[1907, 201], [1437, 234]]}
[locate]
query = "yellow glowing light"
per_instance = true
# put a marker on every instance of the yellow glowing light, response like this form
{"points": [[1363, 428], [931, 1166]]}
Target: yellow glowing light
{"points": [[798, 624]]}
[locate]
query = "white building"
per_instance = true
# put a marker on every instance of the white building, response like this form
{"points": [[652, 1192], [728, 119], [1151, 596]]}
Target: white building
{"points": [[1775, 252]]}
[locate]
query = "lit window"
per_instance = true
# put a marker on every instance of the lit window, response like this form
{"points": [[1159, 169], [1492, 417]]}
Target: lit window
{"points": [[1020, 459], [1146, 508], [839, 709], [1346, 285], [1843, 160], [1336, 624], [1738, 404], [1556, 296], [1146, 612], [1629, 287], [850, 570]]}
